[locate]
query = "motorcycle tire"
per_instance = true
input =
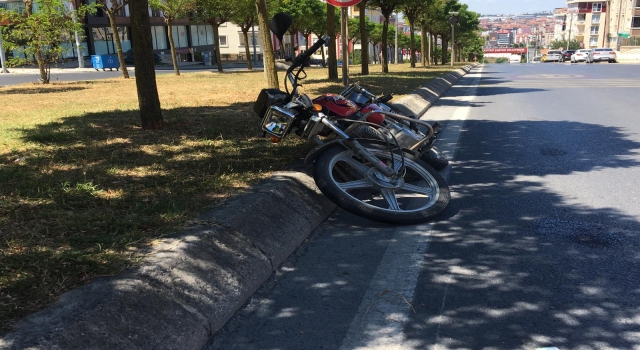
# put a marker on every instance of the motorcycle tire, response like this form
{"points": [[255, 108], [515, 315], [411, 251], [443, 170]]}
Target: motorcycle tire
{"points": [[359, 188], [435, 159]]}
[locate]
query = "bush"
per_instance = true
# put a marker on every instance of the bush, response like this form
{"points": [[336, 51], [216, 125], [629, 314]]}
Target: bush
{"points": [[502, 60]]}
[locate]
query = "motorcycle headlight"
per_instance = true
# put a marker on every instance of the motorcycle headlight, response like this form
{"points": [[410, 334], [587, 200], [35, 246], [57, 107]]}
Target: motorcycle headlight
{"points": [[278, 121]]}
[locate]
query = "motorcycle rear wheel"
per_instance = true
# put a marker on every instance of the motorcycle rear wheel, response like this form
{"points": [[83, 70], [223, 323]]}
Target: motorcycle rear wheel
{"points": [[359, 188]]}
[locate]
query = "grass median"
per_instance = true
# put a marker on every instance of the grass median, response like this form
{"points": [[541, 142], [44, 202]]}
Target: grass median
{"points": [[84, 188]]}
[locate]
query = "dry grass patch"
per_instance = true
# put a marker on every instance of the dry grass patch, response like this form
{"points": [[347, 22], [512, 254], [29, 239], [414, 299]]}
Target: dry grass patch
{"points": [[84, 187]]}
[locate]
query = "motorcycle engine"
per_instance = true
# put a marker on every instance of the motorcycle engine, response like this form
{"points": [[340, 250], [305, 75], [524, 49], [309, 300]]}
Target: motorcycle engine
{"points": [[405, 137]]}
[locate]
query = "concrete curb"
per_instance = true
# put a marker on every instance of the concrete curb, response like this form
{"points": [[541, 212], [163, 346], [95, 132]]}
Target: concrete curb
{"points": [[193, 282]]}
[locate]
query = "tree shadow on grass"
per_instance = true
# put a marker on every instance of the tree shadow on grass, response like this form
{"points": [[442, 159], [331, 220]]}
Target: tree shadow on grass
{"points": [[88, 191], [52, 89]]}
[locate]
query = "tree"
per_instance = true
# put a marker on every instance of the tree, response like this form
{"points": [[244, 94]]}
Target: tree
{"points": [[41, 33], [573, 44], [216, 12], [267, 47], [246, 17], [320, 29], [148, 99], [112, 7], [172, 10], [375, 37], [411, 10], [386, 8], [353, 31]]}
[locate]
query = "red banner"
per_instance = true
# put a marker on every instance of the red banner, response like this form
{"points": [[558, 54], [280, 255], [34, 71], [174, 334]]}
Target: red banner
{"points": [[513, 50], [343, 3]]}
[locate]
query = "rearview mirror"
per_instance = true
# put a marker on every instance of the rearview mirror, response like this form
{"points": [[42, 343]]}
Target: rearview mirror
{"points": [[280, 23]]}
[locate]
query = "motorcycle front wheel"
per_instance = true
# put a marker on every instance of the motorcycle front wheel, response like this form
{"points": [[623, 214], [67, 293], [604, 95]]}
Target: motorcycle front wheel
{"points": [[358, 187]]}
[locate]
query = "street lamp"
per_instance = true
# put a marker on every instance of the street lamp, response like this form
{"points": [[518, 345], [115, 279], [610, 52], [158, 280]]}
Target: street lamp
{"points": [[453, 19]]}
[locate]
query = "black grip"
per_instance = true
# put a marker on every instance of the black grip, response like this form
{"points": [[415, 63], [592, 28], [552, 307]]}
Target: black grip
{"points": [[306, 54]]}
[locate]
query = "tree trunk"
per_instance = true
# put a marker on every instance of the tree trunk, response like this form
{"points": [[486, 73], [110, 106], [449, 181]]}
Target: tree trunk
{"points": [[148, 100], [331, 32], [216, 42], [364, 40], [247, 51], [445, 51], [412, 49], [267, 46], [385, 32], [114, 31], [423, 47], [172, 47]]}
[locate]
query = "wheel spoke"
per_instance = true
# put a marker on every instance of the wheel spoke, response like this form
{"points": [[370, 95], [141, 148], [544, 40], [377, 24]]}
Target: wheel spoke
{"points": [[397, 163], [354, 184], [390, 197], [417, 189]]}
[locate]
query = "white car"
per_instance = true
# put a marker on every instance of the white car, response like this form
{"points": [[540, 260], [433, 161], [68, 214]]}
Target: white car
{"points": [[602, 54], [553, 56], [515, 59], [580, 55]]}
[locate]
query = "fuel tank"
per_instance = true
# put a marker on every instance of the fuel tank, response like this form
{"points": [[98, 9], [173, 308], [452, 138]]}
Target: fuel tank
{"points": [[337, 105]]}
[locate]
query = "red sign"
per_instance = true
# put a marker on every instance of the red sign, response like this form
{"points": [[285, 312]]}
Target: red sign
{"points": [[343, 3], [515, 50]]}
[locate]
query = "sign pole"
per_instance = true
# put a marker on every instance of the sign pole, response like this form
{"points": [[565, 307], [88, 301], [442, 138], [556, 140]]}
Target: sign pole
{"points": [[345, 46]]}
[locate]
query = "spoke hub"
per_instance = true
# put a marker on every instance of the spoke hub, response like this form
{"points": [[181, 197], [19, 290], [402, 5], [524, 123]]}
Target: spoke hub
{"points": [[383, 182]]}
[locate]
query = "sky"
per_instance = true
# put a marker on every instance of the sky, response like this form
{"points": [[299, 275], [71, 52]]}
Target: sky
{"points": [[490, 7]]}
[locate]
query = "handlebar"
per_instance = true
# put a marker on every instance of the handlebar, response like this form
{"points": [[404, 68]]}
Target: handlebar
{"points": [[307, 53]]}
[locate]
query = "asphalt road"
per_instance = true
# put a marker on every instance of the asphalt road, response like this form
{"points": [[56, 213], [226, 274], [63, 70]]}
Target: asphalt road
{"points": [[539, 247]]}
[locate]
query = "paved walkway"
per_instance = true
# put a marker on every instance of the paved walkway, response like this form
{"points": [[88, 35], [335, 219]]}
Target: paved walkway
{"points": [[72, 67]]}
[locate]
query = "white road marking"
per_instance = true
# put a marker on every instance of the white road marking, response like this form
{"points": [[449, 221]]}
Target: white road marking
{"points": [[386, 306]]}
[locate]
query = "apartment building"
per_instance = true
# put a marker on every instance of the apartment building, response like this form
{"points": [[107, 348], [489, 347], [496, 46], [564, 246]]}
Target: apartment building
{"points": [[598, 23]]}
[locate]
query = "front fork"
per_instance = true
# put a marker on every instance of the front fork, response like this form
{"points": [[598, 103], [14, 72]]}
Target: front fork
{"points": [[359, 150]]}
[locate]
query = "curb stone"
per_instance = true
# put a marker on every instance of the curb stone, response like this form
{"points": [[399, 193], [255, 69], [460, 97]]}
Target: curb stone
{"points": [[191, 283]]}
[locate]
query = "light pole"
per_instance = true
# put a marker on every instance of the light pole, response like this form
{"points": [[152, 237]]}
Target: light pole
{"points": [[453, 20]]}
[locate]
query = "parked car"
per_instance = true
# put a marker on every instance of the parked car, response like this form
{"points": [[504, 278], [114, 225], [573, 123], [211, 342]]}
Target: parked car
{"points": [[128, 57], [602, 54], [566, 55], [553, 56], [537, 59], [580, 55]]}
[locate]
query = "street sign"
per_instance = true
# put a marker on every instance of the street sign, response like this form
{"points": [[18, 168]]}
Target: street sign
{"points": [[623, 35], [343, 3]]}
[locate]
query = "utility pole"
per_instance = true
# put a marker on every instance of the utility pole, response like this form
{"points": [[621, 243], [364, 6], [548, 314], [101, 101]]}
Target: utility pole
{"points": [[453, 20], [78, 47], [253, 39], [345, 46], [619, 38], [570, 26]]}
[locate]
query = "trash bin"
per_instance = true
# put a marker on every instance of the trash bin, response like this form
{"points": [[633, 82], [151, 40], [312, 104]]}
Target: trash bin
{"points": [[206, 56], [105, 61]]}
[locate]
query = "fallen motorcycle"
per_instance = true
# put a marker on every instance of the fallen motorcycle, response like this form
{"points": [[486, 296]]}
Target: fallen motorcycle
{"points": [[368, 165], [364, 100]]}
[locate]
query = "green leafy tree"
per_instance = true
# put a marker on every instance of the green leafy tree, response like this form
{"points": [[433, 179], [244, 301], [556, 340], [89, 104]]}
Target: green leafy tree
{"points": [[246, 17], [573, 44], [40, 34], [353, 34], [375, 38], [217, 12], [320, 28], [411, 10], [267, 47], [172, 10], [111, 8], [304, 14], [386, 8]]}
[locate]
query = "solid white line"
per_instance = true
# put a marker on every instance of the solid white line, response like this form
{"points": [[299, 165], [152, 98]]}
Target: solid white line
{"points": [[387, 304]]}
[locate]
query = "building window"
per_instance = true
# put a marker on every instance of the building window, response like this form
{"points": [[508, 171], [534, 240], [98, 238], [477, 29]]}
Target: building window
{"points": [[593, 41], [156, 13], [595, 19], [159, 37], [582, 17], [637, 3], [223, 41], [180, 36], [595, 30], [201, 35], [597, 7], [635, 22]]}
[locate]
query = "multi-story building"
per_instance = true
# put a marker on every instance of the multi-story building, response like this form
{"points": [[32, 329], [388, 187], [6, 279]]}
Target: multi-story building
{"points": [[599, 23]]}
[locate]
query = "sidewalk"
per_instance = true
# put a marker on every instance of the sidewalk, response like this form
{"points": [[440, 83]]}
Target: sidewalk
{"points": [[72, 67]]}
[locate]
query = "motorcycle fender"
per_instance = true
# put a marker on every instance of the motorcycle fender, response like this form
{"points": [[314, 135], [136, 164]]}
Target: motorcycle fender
{"points": [[316, 152]]}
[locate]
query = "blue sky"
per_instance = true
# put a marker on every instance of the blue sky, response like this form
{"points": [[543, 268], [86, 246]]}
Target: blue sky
{"points": [[512, 6]]}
